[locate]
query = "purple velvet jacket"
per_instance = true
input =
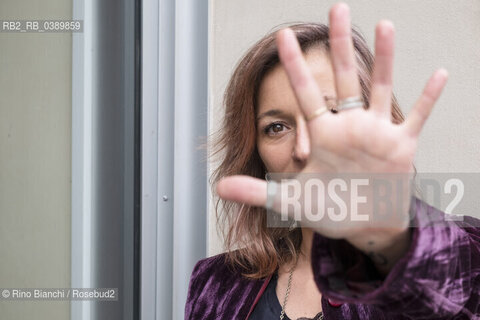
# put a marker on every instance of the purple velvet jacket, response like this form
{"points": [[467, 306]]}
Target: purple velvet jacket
{"points": [[438, 278]]}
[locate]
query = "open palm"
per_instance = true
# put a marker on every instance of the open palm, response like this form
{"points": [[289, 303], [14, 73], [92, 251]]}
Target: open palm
{"points": [[351, 141]]}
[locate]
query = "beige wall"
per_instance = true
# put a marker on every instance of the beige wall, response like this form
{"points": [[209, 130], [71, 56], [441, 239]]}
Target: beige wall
{"points": [[429, 34], [35, 159]]}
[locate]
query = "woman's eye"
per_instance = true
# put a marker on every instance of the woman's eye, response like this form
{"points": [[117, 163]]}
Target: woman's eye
{"points": [[274, 128]]}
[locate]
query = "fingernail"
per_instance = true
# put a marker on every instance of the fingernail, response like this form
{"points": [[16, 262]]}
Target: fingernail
{"points": [[341, 9], [385, 27], [444, 72], [441, 73]]}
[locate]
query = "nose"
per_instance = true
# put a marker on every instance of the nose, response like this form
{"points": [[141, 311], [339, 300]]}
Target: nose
{"points": [[301, 149]]}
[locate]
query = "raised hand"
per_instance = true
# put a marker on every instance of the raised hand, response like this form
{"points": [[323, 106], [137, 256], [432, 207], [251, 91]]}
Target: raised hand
{"points": [[354, 140]]}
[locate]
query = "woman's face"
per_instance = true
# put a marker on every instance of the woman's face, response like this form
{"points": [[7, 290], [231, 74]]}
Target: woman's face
{"points": [[282, 135]]}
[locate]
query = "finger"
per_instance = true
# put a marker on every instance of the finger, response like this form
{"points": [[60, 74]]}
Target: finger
{"points": [[420, 112], [243, 189], [343, 53], [254, 192], [301, 79], [381, 92]]}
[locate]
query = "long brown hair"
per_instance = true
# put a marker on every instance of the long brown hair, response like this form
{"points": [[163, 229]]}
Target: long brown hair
{"points": [[250, 245]]}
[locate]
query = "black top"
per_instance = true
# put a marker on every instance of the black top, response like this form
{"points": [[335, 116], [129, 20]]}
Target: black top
{"points": [[269, 308]]}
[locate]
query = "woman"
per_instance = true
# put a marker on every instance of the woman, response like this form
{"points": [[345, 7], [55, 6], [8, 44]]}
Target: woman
{"points": [[277, 121]]}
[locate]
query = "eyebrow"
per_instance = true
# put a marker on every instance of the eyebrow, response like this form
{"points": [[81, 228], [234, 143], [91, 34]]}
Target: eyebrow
{"points": [[277, 112], [271, 113]]}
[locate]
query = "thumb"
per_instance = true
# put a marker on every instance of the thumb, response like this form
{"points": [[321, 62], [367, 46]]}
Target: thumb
{"points": [[243, 189]]}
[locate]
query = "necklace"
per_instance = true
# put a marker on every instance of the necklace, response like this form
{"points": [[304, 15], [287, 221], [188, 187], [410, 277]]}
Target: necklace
{"points": [[287, 293]]}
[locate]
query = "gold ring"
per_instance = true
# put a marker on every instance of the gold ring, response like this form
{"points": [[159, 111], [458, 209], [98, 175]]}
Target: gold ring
{"points": [[317, 113]]}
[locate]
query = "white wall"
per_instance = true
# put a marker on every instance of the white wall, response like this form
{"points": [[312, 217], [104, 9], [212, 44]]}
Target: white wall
{"points": [[429, 34], [35, 159]]}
